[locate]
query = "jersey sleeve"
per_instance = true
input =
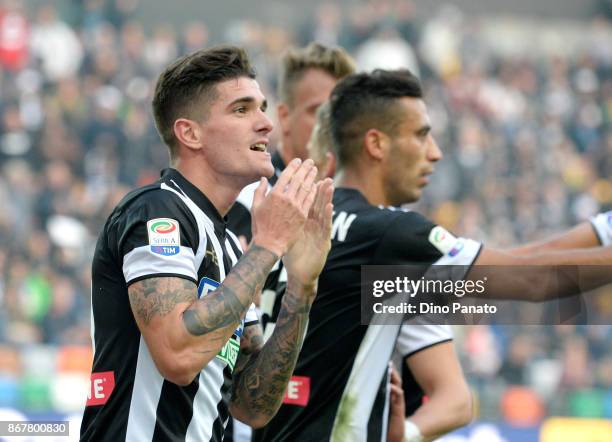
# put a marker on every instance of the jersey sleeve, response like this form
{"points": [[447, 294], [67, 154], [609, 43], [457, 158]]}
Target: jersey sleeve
{"points": [[413, 239], [418, 334], [158, 237]]}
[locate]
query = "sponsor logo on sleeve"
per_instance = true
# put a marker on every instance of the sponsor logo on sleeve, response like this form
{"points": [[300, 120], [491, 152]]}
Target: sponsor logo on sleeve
{"points": [[444, 241], [298, 391], [101, 386], [164, 236]]}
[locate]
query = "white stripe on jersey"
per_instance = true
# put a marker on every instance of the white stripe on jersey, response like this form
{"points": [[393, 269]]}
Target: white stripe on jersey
{"points": [[418, 333], [246, 195], [141, 261], [230, 251], [198, 215], [145, 397], [200, 428], [364, 381]]}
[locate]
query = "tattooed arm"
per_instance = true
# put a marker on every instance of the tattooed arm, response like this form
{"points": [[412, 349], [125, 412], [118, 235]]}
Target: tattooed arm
{"points": [[184, 333], [262, 373], [261, 377]]}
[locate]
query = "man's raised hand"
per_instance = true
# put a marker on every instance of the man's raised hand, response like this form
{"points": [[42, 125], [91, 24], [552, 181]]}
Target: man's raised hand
{"points": [[279, 216]]}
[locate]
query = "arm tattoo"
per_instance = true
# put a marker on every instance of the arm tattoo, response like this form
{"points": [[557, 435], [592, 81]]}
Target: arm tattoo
{"points": [[158, 296], [250, 345], [259, 384], [227, 304]]}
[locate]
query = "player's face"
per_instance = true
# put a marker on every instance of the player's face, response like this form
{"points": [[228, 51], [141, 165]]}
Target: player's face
{"points": [[312, 90], [412, 154], [235, 132]]}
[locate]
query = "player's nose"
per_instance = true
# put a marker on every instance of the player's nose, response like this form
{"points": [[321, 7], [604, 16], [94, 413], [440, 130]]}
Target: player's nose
{"points": [[434, 153], [264, 123]]}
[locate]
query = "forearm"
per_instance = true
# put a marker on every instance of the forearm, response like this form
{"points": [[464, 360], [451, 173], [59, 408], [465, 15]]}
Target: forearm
{"points": [[581, 236], [542, 276], [258, 388], [442, 413], [209, 322]]}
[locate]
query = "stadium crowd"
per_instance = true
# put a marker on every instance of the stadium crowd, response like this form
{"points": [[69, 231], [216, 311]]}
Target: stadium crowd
{"points": [[527, 142]]}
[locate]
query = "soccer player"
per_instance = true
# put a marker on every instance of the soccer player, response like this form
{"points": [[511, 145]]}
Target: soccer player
{"points": [[177, 345], [307, 77], [385, 152], [424, 352]]}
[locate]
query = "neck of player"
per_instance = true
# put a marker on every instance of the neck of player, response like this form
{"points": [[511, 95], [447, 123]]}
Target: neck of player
{"points": [[369, 184], [220, 190]]}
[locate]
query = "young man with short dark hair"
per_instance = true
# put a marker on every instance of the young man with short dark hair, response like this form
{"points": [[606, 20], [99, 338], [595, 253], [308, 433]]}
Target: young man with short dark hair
{"points": [[177, 344], [385, 153]]}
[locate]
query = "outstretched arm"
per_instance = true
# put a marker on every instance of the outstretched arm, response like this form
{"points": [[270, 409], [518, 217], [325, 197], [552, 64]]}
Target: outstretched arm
{"points": [[595, 232], [541, 276]]}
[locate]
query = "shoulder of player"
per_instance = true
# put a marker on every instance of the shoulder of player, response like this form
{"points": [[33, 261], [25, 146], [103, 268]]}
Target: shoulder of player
{"points": [[151, 202], [407, 221], [394, 220]]}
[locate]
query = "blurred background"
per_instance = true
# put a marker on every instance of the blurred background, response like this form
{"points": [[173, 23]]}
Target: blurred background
{"points": [[520, 95]]}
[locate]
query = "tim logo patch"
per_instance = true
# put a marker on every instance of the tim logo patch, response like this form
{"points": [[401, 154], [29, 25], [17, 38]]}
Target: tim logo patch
{"points": [[164, 236]]}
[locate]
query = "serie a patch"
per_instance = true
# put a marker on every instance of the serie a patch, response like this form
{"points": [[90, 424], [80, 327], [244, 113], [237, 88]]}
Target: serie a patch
{"points": [[164, 236], [444, 241]]}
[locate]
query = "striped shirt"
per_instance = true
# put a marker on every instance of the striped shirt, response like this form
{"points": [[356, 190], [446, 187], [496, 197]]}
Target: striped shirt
{"points": [[166, 229]]}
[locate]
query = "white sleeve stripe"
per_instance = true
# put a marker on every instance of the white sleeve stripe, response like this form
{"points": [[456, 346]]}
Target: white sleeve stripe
{"points": [[602, 224], [142, 262], [416, 335], [464, 257]]}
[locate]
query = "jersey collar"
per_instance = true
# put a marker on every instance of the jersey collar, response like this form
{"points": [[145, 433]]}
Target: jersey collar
{"points": [[198, 197]]}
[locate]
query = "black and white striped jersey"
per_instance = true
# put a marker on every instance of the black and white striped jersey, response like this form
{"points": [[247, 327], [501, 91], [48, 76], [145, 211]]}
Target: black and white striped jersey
{"points": [[339, 390], [168, 228]]}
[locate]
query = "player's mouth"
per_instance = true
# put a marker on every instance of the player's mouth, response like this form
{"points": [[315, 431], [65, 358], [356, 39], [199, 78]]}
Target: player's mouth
{"points": [[425, 177], [259, 147]]}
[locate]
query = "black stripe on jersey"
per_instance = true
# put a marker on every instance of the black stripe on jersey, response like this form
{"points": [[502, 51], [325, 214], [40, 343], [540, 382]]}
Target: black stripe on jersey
{"points": [[222, 408], [239, 220], [162, 275], [376, 424], [174, 413]]}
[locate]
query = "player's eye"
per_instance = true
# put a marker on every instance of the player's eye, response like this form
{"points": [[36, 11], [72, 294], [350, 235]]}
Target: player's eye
{"points": [[240, 110], [423, 133]]}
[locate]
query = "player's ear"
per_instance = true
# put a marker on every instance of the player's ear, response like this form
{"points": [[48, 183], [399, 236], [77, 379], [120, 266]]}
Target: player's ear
{"points": [[330, 165], [376, 144], [188, 133], [282, 112]]}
